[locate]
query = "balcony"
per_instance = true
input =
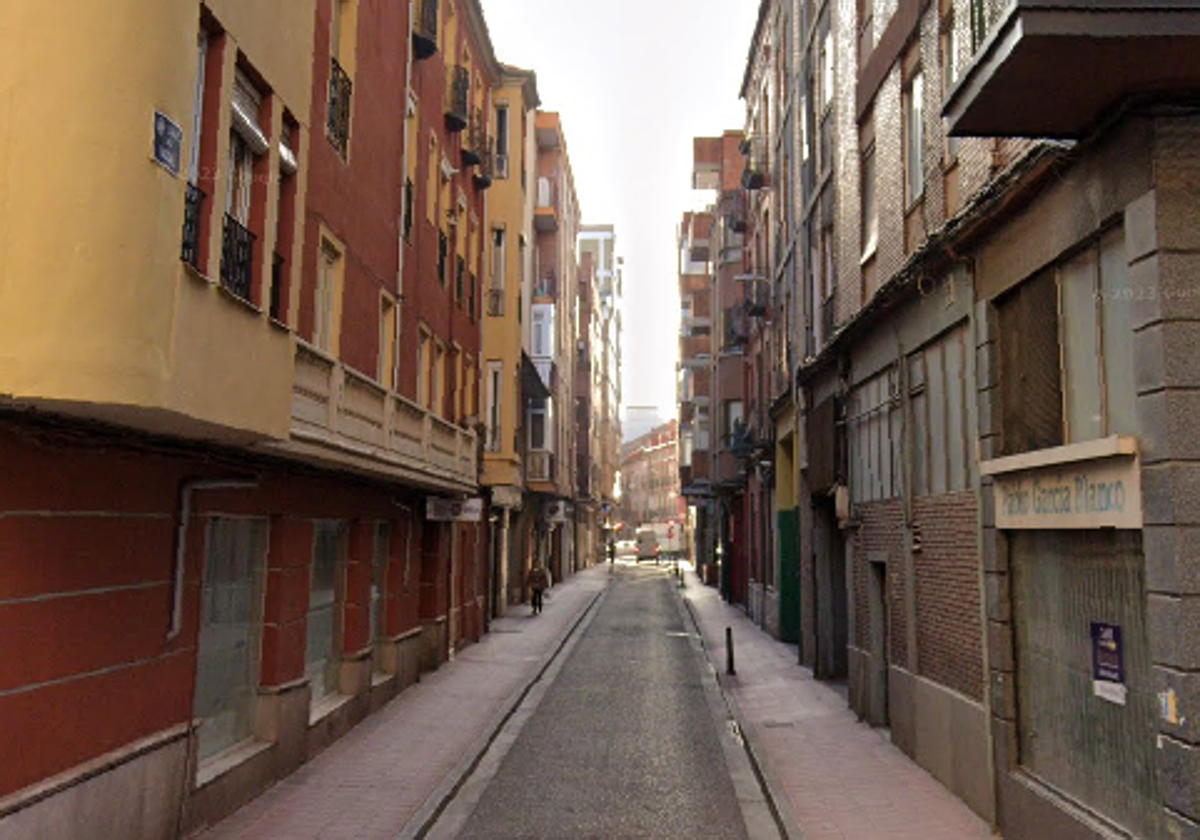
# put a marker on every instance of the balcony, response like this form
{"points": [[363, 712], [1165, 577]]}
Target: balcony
{"points": [[474, 141], [754, 175], [483, 171], [345, 419], [737, 331], [545, 213], [735, 212], [237, 258], [548, 372], [193, 202], [495, 303], [757, 295], [425, 29], [337, 126], [1083, 57], [458, 98], [539, 466]]}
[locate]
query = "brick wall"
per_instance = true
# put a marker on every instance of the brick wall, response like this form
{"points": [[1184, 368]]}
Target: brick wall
{"points": [[881, 532], [949, 625]]}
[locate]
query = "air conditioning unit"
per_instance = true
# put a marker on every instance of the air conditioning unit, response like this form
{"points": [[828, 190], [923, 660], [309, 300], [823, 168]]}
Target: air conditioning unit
{"points": [[555, 511]]}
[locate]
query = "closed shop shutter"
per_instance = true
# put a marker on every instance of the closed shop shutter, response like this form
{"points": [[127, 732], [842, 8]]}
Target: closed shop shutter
{"points": [[1094, 751]]}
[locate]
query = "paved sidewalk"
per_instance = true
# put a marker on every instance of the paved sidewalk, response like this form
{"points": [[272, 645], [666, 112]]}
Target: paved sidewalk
{"points": [[842, 779], [396, 766]]}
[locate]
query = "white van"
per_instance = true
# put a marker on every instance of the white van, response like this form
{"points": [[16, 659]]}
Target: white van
{"points": [[647, 542]]}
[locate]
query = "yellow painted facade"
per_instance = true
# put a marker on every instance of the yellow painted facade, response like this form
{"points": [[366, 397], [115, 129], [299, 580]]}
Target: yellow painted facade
{"points": [[508, 209], [98, 315]]}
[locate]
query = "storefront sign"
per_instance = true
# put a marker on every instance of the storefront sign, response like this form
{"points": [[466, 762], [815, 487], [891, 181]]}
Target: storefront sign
{"points": [[453, 510], [1104, 493], [1108, 663]]}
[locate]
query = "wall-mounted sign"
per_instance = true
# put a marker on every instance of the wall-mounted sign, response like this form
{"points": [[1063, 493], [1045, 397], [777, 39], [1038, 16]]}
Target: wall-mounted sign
{"points": [[1104, 493], [453, 510], [168, 143], [1108, 663]]}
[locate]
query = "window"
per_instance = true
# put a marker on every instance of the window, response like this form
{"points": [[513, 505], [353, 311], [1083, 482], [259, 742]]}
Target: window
{"points": [[870, 214], [411, 136], [194, 195], [247, 142], [494, 395], [321, 655], [827, 70], [431, 182], [499, 258], [539, 410], [938, 402], [542, 337], [343, 32], [948, 41], [732, 422], [380, 555], [437, 379], [866, 31], [328, 303], [914, 139], [443, 257], [502, 141], [424, 367], [388, 339], [230, 637]]}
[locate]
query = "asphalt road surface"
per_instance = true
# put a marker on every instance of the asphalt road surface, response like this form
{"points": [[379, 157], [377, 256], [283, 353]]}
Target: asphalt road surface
{"points": [[625, 742]]}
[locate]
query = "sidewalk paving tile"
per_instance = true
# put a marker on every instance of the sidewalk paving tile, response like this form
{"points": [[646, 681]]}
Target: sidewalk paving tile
{"points": [[375, 779], [841, 779]]}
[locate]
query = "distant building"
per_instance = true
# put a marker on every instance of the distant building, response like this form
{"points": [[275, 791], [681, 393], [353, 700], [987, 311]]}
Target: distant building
{"points": [[650, 478], [639, 419]]}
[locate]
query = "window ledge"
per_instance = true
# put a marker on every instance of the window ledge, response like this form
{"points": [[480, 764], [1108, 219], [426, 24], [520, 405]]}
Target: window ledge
{"points": [[193, 272], [326, 706], [229, 758], [240, 301], [1090, 450]]}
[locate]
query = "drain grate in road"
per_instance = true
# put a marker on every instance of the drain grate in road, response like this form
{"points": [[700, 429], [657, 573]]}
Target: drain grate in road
{"points": [[779, 724]]}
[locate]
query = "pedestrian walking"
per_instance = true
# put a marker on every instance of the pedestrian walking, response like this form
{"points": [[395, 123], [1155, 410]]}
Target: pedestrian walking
{"points": [[538, 581]]}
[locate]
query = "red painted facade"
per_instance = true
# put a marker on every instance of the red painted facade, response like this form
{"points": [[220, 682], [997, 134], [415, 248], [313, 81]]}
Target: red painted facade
{"points": [[95, 529]]}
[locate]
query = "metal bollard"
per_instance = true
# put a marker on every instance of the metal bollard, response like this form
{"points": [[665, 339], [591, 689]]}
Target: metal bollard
{"points": [[729, 669]]}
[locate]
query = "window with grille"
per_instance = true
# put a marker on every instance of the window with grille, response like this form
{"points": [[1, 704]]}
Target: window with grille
{"points": [[230, 635]]}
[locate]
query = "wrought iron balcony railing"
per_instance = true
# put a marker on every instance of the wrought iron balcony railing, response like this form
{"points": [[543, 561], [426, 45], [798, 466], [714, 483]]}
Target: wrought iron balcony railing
{"points": [[473, 142], [340, 91], [458, 98], [425, 29], [237, 257], [483, 172], [193, 201], [754, 176]]}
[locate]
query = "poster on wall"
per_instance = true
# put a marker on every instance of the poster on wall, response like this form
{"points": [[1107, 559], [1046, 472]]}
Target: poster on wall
{"points": [[1108, 664]]}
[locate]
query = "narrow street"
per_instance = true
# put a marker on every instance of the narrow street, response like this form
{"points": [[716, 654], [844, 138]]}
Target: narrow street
{"points": [[625, 740]]}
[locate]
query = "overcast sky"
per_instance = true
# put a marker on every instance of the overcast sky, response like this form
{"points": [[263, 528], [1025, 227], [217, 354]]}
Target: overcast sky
{"points": [[635, 81]]}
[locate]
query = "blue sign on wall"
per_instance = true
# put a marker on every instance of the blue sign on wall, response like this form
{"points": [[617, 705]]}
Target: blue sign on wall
{"points": [[168, 143], [1108, 663]]}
